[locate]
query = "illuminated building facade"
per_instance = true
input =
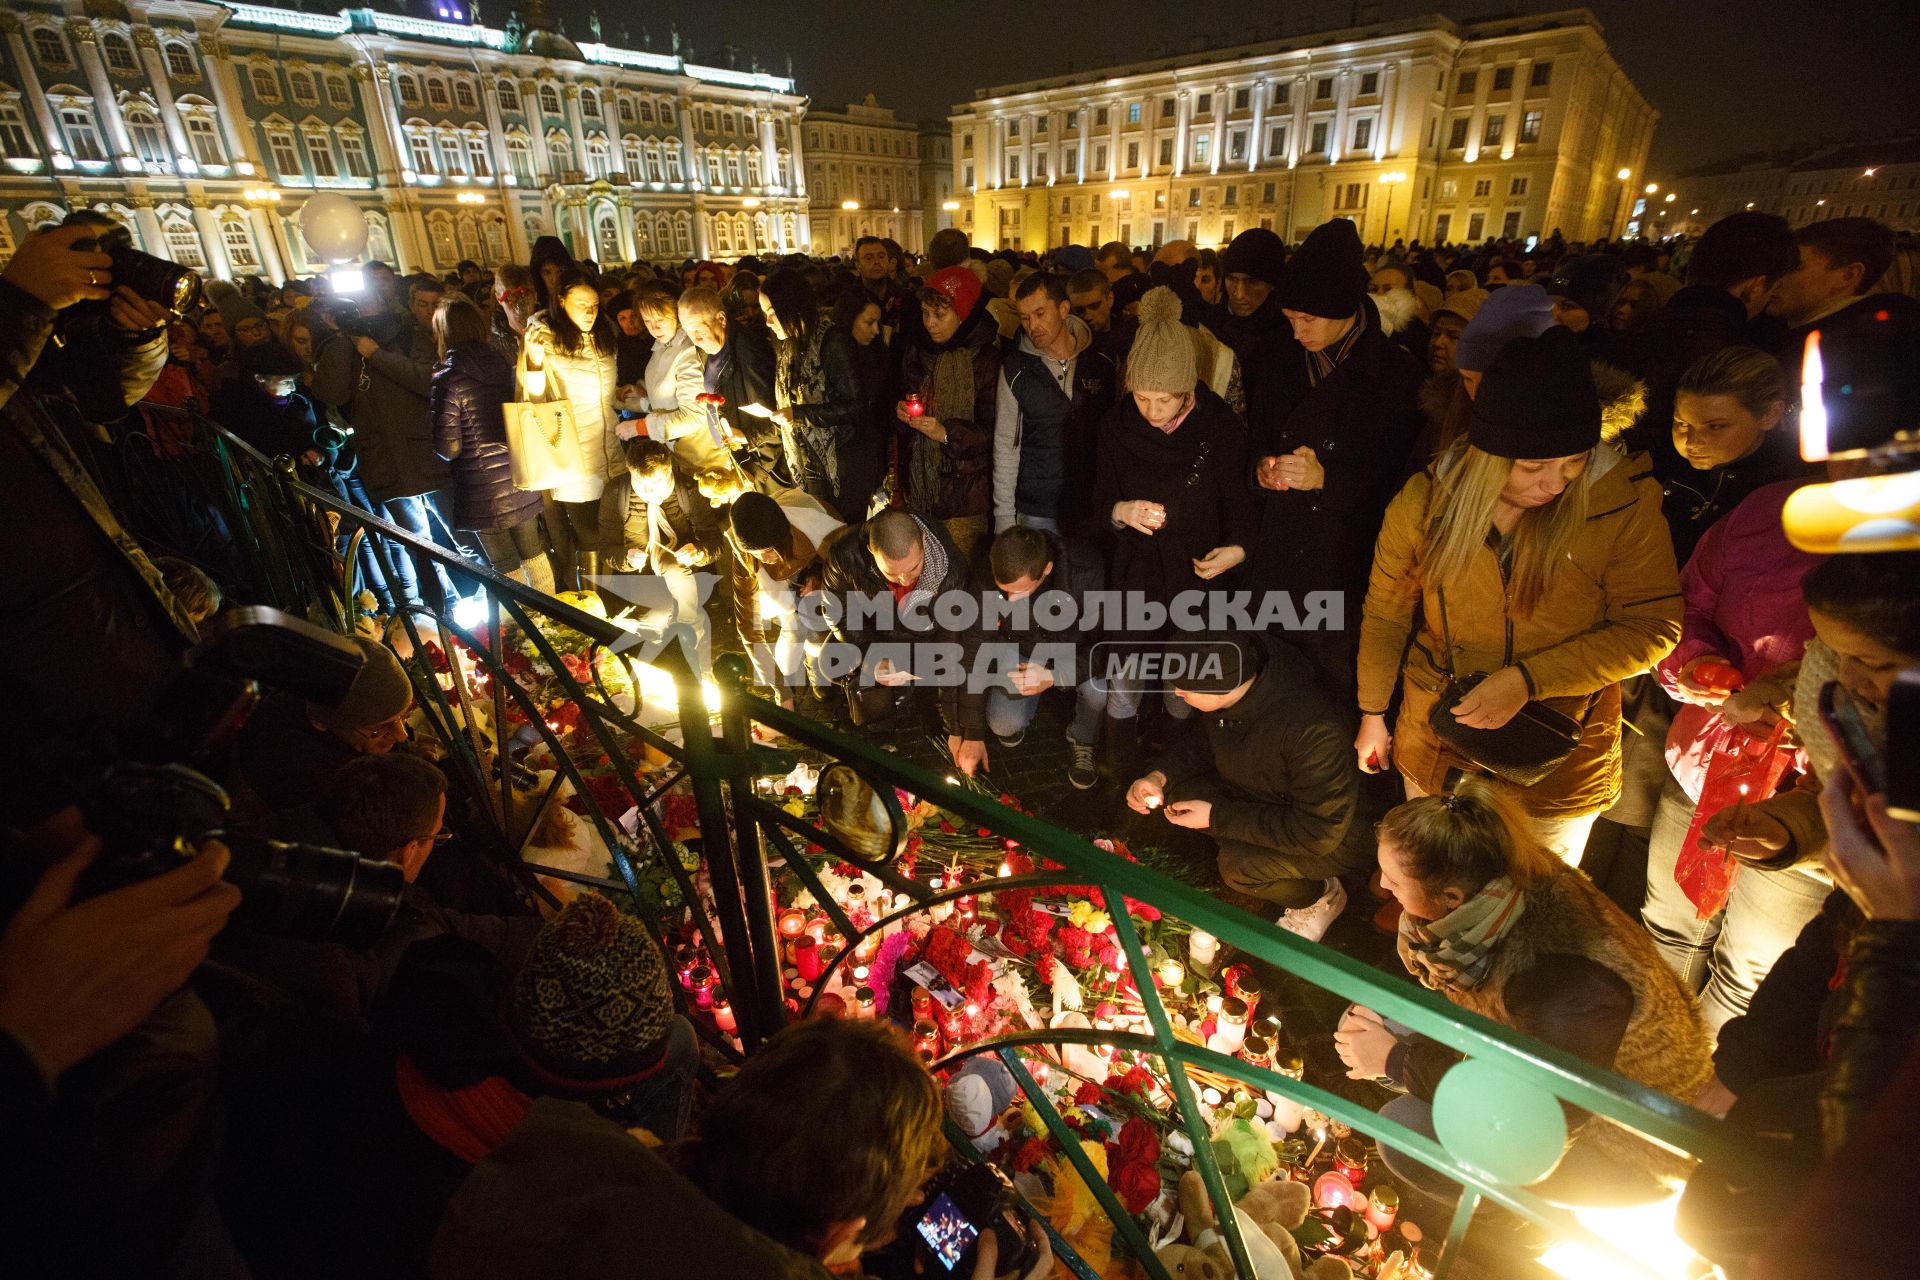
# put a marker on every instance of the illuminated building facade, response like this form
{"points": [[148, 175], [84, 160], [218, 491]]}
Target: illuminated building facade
{"points": [[863, 175]]}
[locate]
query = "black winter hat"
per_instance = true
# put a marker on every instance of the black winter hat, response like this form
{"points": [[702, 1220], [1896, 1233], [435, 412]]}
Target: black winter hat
{"points": [[1537, 400], [1213, 661], [1592, 283], [1326, 276], [1256, 252]]}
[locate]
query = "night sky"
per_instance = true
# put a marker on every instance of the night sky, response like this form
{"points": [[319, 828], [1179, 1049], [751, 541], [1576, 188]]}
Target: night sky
{"points": [[1726, 75]]}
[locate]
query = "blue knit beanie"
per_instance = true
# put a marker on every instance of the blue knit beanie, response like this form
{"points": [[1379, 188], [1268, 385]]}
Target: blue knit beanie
{"points": [[1511, 311]]}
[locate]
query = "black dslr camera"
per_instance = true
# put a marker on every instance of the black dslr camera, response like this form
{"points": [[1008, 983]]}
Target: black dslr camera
{"points": [[154, 808], [173, 286], [963, 1202]]}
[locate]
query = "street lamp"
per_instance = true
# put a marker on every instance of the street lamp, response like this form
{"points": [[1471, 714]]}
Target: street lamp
{"points": [[1390, 181], [850, 205], [1625, 176], [264, 199], [1652, 187], [1671, 195]]}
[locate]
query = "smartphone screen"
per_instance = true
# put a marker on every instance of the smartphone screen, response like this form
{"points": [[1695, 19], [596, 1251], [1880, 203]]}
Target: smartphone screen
{"points": [[947, 1231], [1857, 748]]}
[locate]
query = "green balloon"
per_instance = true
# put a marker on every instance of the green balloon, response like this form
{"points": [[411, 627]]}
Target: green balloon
{"points": [[1499, 1123]]}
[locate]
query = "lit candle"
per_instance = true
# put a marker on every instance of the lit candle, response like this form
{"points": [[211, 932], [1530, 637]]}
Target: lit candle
{"points": [[723, 1017], [1006, 871], [1214, 1002], [1332, 1191], [1350, 1158], [860, 972], [1202, 949], [867, 947], [817, 929], [686, 958], [940, 910], [806, 958], [793, 923], [1383, 1207], [1230, 1028], [1172, 972], [926, 1038], [863, 1002], [701, 982]]}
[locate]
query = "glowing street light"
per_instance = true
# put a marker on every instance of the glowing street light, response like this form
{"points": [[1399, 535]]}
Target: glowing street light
{"points": [[1670, 196], [850, 205], [1652, 187], [950, 205], [1870, 172], [1625, 175]]}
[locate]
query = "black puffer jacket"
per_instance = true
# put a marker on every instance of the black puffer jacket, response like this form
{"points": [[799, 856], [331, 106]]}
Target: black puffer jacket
{"points": [[469, 386]]}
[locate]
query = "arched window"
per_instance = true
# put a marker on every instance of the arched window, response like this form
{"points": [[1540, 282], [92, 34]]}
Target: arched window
{"points": [[463, 96], [635, 161], [682, 232], [560, 147], [301, 85], [437, 94], [597, 158], [670, 154], [549, 100], [83, 138], [520, 156], [180, 63], [379, 238], [50, 48], [440, 237], [590, 104], [626, 109], [149, 138], [642, 237], [469, 234], [479, 158], [495, 230], [721, 232], [183, 244], [237, 238], [265, 87], [203, 137], [339, 93], [16, 141], [646, 111], [716, 169], [533, 227], [606, 238], [509, 95], [653, 172], [409, 90], [119, 53]]}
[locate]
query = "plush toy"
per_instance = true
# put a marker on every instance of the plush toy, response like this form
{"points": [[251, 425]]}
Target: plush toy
{"points": [[1184, 1262], [1271, 1258], [1278, 1206]]}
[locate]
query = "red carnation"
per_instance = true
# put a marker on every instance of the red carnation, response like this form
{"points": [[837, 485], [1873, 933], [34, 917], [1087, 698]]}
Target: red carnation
{"points": [[1087, 1094], [1137, 1186], [1138, 1142], [1137, 1080], [1029, 1154]]}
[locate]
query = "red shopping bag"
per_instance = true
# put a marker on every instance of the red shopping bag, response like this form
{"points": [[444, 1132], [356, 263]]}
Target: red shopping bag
{"points": [[1744, 767]]}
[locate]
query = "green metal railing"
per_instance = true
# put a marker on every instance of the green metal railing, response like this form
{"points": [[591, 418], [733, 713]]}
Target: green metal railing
{"points": [[740, 830]]}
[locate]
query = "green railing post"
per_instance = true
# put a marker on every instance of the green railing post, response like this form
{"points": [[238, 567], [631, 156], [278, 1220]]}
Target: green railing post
{"points": [[733, 676]]}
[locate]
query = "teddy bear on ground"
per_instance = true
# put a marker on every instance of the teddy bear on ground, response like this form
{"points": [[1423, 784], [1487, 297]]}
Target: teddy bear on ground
{"points": [[1266, 1215]]}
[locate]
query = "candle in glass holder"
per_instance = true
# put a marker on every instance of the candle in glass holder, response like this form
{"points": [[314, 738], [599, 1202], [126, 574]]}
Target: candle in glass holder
{"points": [[723, 1016], [868, 946], [922, 1002], [1213, 1002], [1267, 1026], [1230, 1027], [1006, 871], [827, 956], [806, 957], [1172, 973], [685, 958], [926, 1038], [817, 929], [858, 910], [1351, 1156], [1202, 949], [1289, 1063], [1256, 1051], [1383, 1207], [1246, 986], [701, 983], [860, 973], [863, 1002], [1332, 1191], [965, 908], [793, 923]]}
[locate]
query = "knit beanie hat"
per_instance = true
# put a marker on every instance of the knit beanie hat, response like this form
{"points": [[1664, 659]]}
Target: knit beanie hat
{"points": [[1162, 356], [380, 691], [1326, 276], [1466, 303], [590, 1009], [1255, 252], [961, 287], [1537, 399], [1592, 283], [759, 523], [1513, 311], [236, 308]]}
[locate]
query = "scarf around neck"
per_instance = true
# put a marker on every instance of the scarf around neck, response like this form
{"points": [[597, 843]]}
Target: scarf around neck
{"points": [[1322, 363], [1457, 949], [933, 569]]}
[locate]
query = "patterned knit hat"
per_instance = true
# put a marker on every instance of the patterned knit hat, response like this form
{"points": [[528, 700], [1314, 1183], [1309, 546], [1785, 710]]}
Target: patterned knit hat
{"points": [[590, 1010], [961, 287], [1162, 355]]}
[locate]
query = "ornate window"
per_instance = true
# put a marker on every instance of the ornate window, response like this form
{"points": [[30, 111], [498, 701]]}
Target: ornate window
{"points": [[666, 114], [203, 138], [607, 238], [626, 109], [265, 87], [50, 48], [495, 231], [589, 104], [437, 94], [83, 138], [598, 154], [670, 155], [636, 163], [149, 139], [300, 83], [16, 142], [183, 244], [560, 148], [237, 239], [479, 162], [353, 154], [440, 236], [420, 148], [119, 53], [180, 64], [469, 233], [339, 93], [286, 159], [520, 156], [549, 100], [646, 111], [320, 151], [463, 96], [509, 95], [409, 90]]}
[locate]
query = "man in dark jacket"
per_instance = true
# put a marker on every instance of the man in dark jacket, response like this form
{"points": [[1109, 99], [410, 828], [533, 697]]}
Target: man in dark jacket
{"points": [[1273, 779], [1330, 440], [1254, 325], [1055, 389], [1030, 566], [882, 579]]}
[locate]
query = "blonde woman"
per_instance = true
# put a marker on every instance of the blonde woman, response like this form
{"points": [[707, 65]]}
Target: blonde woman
{"points": [[1534, 552], [569, 354]]}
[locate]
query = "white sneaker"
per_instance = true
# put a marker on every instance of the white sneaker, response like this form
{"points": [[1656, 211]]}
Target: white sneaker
{"points": [[1312, 921]]}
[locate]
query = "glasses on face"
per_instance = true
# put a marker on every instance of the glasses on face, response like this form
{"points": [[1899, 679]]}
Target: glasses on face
{"points": [[389, 732]]}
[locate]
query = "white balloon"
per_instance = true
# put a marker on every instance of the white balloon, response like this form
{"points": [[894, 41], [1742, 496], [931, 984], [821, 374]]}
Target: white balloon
{"points": [[333, 227]]}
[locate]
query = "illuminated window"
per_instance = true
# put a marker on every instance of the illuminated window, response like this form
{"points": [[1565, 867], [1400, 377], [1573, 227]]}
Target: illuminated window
{"points": [[320, 153], [549, 100], [479, 163], [285, 159], [353, 154], [463, 96], [265, 87], [183, 245], [119, 52], [83, 140], [238, 242], [180, 62], [15, 142], [149, 139], [204, 139]]}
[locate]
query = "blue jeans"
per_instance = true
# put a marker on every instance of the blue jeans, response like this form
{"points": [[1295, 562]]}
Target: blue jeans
{"points": [[661, 1103], [418, 516], [373, 568], [1724, 957], [1009, 714], [1025, 521]]}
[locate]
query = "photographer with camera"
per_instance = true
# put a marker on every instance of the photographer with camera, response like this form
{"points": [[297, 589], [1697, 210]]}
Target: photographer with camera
{"points": [[819, 1150]]}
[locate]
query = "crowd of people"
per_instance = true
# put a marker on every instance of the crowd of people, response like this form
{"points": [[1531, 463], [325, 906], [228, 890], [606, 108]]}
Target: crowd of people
{"points": [[1381, 517]]}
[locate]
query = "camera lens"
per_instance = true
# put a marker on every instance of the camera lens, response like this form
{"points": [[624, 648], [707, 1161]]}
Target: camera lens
{"points": [[313, 892]]}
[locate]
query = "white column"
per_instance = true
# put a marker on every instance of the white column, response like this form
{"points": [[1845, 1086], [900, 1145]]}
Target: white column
{"points": [[496, 130], [1180, 114], [383, 129], [530, 92], [1257, 131], [152, 234], [1342, 96], [571, 93], [797, 174], [1296, 136], [216, 248], [106, 100], [263, 235], [689, 163], [1085, 110], [36, 96], [242, 153], [1477, 122], [769, 156], [149, 45], [1516, 109], [1220, 114], [1389, 121], [1114, 110]]}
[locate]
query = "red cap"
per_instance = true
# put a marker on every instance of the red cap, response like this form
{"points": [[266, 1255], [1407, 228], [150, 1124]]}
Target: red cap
{"points": [[960, 285]]}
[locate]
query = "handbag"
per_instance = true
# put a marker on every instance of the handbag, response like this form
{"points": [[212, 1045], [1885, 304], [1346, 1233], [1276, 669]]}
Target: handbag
{"points": [[543, 443], [1524, 751]]}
